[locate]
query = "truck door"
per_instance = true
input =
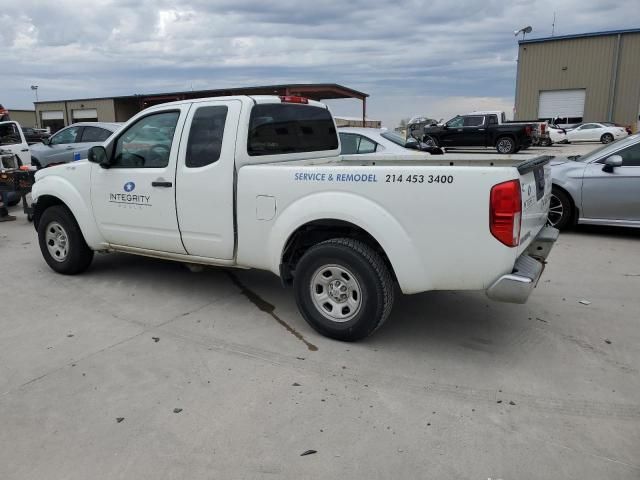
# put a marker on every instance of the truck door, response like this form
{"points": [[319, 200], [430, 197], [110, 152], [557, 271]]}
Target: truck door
{"points": [[12, 139], [134, 200], [206, 177], [452, 134], [474, 131]]}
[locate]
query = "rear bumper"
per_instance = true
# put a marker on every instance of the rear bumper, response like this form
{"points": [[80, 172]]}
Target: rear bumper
{"points": [[516, 286]]}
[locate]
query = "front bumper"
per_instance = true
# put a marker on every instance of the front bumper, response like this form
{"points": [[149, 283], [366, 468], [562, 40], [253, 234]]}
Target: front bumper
{"points": [[516, 286]]}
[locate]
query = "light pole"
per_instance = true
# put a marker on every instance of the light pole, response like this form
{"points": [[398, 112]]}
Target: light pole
{"points": [[35, 89], [524, 31]]}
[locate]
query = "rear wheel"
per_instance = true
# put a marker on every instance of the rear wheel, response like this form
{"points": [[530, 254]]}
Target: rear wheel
{"points": [[61, 242], [506, 145], [343, 289], [560, 209], [606, 138]]}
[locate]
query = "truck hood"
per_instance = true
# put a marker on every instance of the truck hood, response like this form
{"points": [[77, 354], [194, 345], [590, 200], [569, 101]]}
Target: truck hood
{"points": [[64, 170]]}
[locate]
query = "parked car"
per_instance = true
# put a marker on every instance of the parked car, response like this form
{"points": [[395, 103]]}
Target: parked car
{"points": [[71, 143], [557, 135], [600, 188], [34, 135], [258, 182], [596, 132], [356, 141], [479, 131]]}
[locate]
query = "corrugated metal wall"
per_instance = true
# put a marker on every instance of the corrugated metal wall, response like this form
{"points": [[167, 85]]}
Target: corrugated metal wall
{"points": [[581, 63]]}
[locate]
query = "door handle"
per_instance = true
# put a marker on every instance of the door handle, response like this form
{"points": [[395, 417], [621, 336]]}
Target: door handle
{"points": [[159, 183], [481, 129], [460, 130], [70, 148], [24, 150]]}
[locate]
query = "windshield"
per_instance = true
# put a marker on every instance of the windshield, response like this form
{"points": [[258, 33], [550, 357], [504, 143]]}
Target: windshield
{"points": [[395, 138], [610, 147]]}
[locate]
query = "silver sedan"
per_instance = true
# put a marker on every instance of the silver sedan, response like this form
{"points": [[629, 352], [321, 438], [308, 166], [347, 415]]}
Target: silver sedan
{"points": [[600, 188]]}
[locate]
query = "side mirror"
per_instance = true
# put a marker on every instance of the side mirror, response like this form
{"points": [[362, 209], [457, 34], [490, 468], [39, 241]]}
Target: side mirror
{"points": [[98, 155], [612, 162], [46, 141], [445, 126]]}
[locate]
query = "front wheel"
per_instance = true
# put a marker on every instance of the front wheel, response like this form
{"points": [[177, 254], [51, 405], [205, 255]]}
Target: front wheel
{"points": [[343, 289], [429, 141], [606, 138], [560, 209], [505, 145], [61, 242]]}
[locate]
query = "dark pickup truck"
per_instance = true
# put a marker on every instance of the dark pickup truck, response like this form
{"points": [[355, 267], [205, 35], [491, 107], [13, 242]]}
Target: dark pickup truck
{"points": [[479, 131]]}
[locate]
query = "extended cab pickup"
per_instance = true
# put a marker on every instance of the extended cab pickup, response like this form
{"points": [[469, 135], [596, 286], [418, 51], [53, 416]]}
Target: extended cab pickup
{"points": [[258, 182], [479, 131]]}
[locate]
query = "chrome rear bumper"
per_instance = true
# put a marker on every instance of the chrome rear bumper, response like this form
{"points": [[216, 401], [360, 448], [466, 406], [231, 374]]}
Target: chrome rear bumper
{"points": [[516, 286]]}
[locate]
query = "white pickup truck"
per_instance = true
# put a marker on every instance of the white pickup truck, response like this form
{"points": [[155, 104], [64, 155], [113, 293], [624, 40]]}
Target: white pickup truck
{"points": [[258, 182]]}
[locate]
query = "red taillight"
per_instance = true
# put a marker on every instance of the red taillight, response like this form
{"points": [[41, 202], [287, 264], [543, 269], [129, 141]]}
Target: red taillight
{"points": [[527, 130], [505, 212], [543, 128], [293, 99]]}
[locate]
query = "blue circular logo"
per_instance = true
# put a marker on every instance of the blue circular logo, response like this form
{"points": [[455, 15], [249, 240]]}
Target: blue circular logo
{"points": [[129, 187]]}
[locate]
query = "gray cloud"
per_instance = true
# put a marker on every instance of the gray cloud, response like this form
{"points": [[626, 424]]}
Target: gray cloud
{"points": [[412, 56]]}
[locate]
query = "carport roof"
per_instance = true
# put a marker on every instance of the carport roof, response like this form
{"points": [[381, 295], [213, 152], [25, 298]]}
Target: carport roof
{"points": [[314, 91]]}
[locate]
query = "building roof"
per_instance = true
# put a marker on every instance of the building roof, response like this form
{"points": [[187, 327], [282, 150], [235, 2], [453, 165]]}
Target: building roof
{"points": [[580, 35], [313, 91]]}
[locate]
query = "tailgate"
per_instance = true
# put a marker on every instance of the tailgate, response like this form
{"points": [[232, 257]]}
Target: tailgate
{"points": [[535, 184]]}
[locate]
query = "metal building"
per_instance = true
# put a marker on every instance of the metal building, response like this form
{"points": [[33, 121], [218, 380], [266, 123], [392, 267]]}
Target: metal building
{"points": [[60, 113], [591, 77]]}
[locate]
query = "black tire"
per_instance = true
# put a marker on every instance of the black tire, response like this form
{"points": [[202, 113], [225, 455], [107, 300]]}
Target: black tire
{"points": [[606, 138], [77, 256], [505, 145], [430, 141], [36, 163], [560, 209], [364, 268], [546, 142]]}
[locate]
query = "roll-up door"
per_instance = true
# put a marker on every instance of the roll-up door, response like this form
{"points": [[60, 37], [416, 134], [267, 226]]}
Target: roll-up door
{"points": [[561, 103]]}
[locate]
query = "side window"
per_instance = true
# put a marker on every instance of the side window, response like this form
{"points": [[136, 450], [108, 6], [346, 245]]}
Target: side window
{"points": [[475, 121], [205, 136], [366, 146], [146, 143], [280, 128], [631, 156], [455, 122], [95, 134], [348, 143], [493, 119], [9, 134], [588, 126], [68, 135]]}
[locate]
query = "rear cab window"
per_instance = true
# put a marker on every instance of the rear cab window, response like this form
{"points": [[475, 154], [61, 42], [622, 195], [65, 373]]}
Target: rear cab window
{"points": [[281, 128]]}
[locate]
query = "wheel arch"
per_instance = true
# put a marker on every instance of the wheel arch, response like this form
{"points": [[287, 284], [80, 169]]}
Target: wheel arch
{"points": [[50, 191], [339, 214], [574, 205]]}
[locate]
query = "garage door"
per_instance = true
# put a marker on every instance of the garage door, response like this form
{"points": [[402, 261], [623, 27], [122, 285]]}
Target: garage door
{"points": [[561, 103], [52, 115], [85, 115]]}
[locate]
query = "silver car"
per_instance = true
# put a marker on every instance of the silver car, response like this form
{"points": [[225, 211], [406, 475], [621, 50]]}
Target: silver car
{"points": [[600, 188], [71, 143]]}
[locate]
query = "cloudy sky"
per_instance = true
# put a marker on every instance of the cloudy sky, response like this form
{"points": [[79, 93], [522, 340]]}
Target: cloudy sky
{"points": [[435, 58]]}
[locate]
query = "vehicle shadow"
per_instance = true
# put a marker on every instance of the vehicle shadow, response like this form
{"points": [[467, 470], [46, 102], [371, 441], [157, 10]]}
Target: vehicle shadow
{"points": [[440, 321], [607, 231]]}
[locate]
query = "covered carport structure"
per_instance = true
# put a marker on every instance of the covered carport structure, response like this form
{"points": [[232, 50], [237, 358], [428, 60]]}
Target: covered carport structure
{"points": [[313, 91]]}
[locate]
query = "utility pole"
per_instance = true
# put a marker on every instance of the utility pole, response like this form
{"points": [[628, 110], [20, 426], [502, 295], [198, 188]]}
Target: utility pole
{"points": [[35, 89]]}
